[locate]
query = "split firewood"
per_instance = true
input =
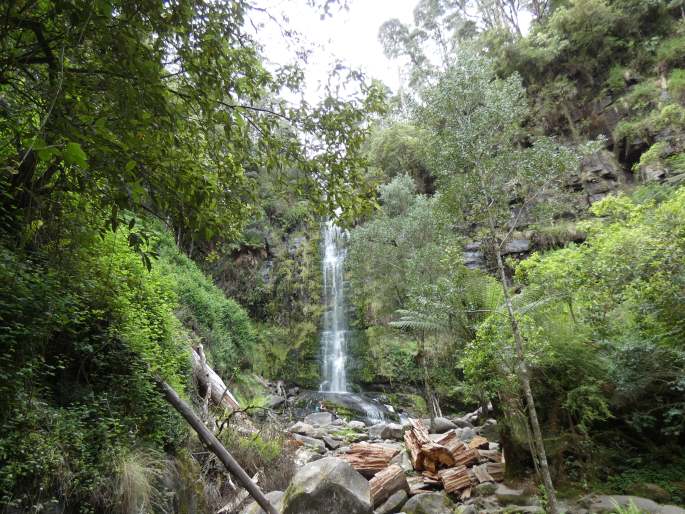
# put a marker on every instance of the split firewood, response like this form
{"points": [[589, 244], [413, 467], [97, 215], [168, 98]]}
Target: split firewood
{"points": [[466, 457], [451, 441], [413, 444], [455, 479], [424, 453], [387, 482], [490, 455], [438, 453], [368, 458], [431, 475], [495, 470], [478, 442], [421, 431], [418, 485], [481, 473], [466, 494]]}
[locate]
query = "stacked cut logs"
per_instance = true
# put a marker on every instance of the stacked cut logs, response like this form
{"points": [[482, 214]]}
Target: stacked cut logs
{"points": [[368, 458], [446, 462]]}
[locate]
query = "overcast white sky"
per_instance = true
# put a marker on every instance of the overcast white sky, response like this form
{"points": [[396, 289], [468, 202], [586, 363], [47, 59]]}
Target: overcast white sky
{"points": [[351, 36]]}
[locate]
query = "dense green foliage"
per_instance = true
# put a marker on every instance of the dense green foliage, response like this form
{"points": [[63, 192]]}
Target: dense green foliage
{"points": [[84, 334], [601, 318], [130, 133]]}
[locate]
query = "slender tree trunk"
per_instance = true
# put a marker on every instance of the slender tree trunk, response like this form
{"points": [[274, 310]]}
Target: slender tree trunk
{"points": [[426, 382], [522, 371], [215, 446]]}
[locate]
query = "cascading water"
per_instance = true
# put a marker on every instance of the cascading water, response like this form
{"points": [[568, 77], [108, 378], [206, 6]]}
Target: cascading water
{"points": [[334, 334], [335, 329]]}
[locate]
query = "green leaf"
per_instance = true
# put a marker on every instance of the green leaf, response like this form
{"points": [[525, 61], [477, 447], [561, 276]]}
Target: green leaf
{"points": [[74, 154]]}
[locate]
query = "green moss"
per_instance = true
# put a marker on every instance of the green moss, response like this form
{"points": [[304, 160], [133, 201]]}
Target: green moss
{"points": [[672, 50], [652, 155], [341, 411], [615, 81], [676, 84], [645, 127], [643, 95]]}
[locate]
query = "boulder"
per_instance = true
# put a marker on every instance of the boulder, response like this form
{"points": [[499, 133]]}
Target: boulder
{"points": [[652, 491], [331, 444], [274, 400], [357, 425], [508, 496], [376, 430], [485, 489], [328, 485], [303, 428], [442, 425], [402, 460], [319, 419], [429, 503], [387, 431], [394, 431], [516, 246], [602, 503], [466, 434], [316, 444], [393, 504], [275, 498], [462, 423]]}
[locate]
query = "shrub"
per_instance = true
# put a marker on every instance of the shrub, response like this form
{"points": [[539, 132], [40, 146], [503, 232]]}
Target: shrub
{"points": [[223, 325]]}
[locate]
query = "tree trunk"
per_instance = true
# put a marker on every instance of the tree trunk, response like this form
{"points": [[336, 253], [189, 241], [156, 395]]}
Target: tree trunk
{"points": [[213, 445], [219, 391], [522, 371], [430, 400]]}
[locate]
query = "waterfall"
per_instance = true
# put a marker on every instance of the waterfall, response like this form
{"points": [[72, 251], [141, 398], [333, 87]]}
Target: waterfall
{"points": [[335, 323], [335, 329]]}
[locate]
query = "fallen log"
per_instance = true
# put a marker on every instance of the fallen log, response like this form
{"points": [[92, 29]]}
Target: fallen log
{"points": [[423, 452], [438, 453], [213, 445], [451, 441], [421, 431], [220, 394], [387, 482], [455, 479], [411, 440], [368, 459]]}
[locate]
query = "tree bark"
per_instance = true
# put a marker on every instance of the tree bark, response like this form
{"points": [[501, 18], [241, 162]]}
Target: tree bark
{"points": [[219, 391], [522, 371], [386, 483], [213, 445]]}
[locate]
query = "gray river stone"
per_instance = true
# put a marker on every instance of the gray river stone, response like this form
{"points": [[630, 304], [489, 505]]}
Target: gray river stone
{"points": [[429, 503], [319, 419], [328, 485], [393, 504], [275, 498]]}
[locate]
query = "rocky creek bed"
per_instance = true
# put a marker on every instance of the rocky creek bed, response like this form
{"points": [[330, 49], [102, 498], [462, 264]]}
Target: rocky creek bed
{"points": [[346, 466]]}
